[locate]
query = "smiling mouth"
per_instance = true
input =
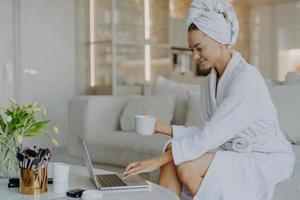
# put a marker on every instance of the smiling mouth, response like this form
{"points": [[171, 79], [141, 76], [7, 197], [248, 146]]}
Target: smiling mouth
{"points": [[200, 62]]}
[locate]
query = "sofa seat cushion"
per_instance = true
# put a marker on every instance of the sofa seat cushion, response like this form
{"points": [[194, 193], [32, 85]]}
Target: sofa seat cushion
{"points": [[121, 148], [290, 188]]}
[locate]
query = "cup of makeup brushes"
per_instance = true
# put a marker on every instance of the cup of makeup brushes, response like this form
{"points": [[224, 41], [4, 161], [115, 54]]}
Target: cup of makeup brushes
{"points": [[33, 181], [33, 170]]}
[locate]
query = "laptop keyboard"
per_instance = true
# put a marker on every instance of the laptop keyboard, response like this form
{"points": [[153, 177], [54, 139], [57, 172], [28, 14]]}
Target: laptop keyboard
{"points": [[110, 180]]}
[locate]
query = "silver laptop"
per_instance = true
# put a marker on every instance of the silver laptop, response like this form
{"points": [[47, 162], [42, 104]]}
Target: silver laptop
{"points": [[110, 181]]}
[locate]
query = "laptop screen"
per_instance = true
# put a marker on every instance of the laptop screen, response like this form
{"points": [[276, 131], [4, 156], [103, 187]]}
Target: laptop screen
{"points": [[87, 160]]}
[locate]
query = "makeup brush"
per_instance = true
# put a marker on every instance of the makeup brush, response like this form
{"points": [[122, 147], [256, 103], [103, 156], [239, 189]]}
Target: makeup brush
{"points": [[41, 156], [31, 153], [20, 158], [35, 163], [48, 154]]}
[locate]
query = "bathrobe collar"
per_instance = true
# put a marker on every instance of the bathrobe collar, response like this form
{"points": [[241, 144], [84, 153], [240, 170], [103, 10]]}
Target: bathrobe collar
{"points": [[234, 61]]}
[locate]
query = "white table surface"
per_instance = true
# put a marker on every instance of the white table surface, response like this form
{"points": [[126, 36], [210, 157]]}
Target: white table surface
{"points": [[79, 179]]}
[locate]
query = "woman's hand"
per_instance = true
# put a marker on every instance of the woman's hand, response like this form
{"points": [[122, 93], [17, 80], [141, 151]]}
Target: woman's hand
{"points": [[148, 165], [163, 128], [144, 166]]}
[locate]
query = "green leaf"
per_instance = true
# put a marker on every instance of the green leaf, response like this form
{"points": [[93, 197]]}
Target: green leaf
{"points": [[9, 112], [35, 128], [2, 124], [25, 121]]}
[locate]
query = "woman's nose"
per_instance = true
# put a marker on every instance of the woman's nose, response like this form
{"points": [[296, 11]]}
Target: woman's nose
{"points": [[196, 55]]}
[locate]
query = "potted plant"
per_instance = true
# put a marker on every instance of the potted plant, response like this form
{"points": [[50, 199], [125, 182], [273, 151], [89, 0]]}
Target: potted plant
{"points": [[17, 122]]}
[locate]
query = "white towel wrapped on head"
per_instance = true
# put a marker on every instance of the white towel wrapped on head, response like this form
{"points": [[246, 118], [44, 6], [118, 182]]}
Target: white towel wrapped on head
{"points": [[216, 18]]}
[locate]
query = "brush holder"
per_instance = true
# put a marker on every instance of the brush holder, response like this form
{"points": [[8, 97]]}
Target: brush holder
{"points": [[33, 181]]}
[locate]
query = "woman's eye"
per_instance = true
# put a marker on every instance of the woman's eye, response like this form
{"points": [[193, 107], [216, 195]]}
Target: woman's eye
{"points": [[199, 49]]}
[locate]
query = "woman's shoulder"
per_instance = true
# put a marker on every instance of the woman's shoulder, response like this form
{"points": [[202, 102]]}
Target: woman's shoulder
{"points": [[247, 77], [247, 72]]}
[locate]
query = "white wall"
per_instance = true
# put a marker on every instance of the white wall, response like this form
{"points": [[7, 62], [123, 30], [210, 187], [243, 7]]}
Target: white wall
{"points": [[6, 51], [274, 28], [50, 68]]}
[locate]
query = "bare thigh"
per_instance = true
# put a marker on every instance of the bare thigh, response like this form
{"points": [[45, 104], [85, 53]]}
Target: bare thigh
{"points": [[191, 173], [168, 178]]}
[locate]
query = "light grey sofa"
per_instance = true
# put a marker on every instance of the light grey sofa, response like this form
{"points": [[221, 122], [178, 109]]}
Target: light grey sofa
{"points": [[97, 119]]}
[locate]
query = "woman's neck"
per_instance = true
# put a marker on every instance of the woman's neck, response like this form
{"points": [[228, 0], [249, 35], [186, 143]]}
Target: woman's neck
{"points": [[223, 62]]}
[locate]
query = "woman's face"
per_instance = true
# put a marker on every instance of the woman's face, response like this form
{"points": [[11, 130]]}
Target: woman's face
{"points": [[206, 51]]}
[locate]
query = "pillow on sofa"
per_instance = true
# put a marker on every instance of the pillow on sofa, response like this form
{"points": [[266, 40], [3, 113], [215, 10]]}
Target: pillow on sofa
{"points": [[160, 106], [180, 94], [193, 117], [292, 78], [286, 99]]}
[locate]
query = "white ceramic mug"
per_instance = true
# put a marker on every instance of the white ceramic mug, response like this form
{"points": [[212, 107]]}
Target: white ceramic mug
{"points": [[144, 124], [60, 177]]}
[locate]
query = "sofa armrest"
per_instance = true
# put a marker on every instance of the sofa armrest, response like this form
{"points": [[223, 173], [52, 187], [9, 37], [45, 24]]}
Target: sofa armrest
{"points": [[89, 116]]}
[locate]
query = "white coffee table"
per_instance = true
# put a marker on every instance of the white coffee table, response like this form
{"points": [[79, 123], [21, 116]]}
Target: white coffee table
{"points": [[79, 179]]}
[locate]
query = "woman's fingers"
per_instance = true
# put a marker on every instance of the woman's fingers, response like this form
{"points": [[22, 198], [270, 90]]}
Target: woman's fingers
{"points": [[132, 168], [131, 165], [141, 167], [135, 169], [132, 174]]}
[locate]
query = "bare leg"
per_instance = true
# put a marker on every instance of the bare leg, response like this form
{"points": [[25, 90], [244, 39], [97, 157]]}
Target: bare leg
{"points": [[191, 173], [168, 178]]}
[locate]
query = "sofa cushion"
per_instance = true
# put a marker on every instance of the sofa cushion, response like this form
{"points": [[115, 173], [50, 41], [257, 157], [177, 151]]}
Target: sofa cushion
{"points": [[286, 100], [292, 78], [193, 117], [159, 106], [121, 148], [180, 94], [290, 188]]}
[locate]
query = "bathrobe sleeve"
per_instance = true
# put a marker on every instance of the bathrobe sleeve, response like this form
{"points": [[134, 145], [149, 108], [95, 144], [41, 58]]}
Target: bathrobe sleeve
{"points": [[238, 109]]}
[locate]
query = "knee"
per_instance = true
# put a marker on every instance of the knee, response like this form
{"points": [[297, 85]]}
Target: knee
{"points": [[184, 173], [167, 174]]}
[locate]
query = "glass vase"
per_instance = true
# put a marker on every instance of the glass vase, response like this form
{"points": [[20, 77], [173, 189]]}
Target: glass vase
{"points": [[8, 160]]}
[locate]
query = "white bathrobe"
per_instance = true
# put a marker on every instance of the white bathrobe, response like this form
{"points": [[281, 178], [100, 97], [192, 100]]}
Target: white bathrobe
{"points": [[241, 126]]}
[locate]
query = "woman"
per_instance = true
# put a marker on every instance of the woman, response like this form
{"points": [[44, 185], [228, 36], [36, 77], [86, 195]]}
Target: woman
{"points": [[239, 152]]}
